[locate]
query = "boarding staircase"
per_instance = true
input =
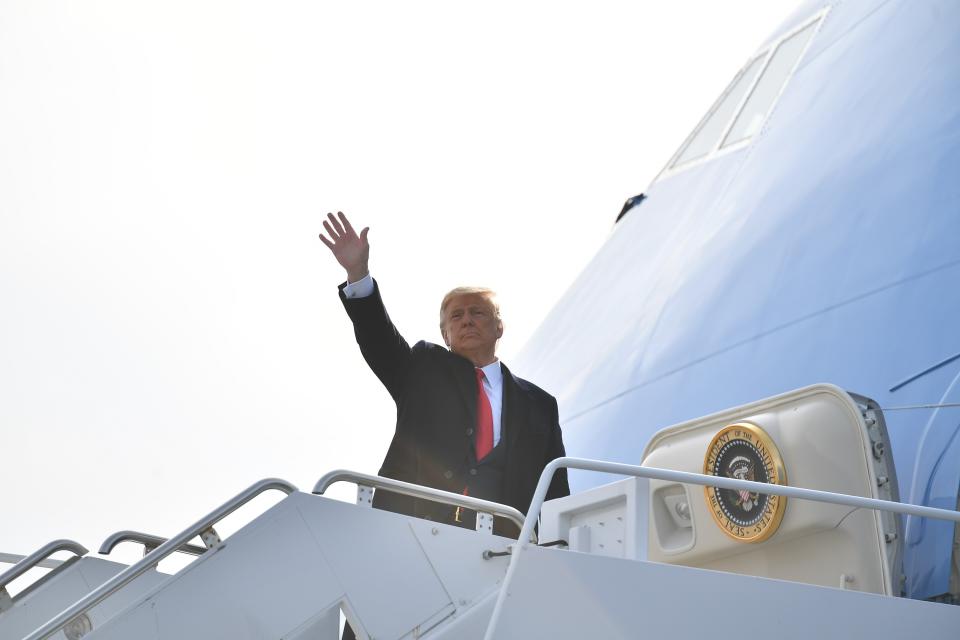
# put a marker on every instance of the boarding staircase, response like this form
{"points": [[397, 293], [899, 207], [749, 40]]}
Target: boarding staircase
{"points": [[599, 569], [66, 583]]}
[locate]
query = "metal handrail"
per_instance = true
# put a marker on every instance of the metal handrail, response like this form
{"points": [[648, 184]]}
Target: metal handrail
{"points": [[158, 554], [13, 558], [691, 478], [428, 493], [149, 542], [35, 558]]}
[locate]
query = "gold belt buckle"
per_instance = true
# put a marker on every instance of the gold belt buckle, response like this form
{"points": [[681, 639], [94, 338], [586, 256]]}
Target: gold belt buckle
{"points": [[459, 511]]}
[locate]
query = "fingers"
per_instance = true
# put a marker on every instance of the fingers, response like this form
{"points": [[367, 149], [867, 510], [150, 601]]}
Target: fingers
{"points": [[336, 225], [340, 230], [346, 223], [333, 234]]}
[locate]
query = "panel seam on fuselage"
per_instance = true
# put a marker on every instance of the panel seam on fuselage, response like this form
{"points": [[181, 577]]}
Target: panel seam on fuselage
{"points": [[762, 334]]}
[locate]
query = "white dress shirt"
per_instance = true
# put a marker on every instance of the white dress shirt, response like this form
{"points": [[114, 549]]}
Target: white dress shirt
{"points": [[493, 373]]}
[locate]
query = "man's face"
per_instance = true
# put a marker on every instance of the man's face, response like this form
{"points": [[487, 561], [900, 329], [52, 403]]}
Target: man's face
{"points": [[470, 325]]}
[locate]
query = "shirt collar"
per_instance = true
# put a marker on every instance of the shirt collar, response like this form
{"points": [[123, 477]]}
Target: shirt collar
{"points": [[494, 373]]}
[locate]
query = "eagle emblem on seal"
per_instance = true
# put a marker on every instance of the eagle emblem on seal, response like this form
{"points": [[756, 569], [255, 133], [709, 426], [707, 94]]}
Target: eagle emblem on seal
{"points": [[744, 451]]}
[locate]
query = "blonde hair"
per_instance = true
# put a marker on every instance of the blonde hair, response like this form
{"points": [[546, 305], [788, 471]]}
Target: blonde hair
{"points": [[487, 294]]}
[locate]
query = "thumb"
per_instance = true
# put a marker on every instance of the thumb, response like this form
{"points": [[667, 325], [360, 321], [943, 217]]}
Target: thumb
{"points": [[363, 234]]}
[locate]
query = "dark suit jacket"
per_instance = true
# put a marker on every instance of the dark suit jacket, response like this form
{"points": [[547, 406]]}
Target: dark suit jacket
{"points": [[436, 395]]}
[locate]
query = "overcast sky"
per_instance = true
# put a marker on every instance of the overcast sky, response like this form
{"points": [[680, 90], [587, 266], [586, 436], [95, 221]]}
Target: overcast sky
{"points": [[169, 325]]}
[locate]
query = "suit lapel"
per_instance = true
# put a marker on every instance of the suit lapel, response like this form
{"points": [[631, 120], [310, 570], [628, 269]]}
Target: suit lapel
{"points": [[513, 411], [461, 370]]}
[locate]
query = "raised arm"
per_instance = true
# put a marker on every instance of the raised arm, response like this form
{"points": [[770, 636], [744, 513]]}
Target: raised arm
{"points": [[382, 346], [352, 251]]}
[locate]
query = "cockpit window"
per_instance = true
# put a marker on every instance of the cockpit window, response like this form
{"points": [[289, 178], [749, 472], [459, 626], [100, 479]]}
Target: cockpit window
{"points": [[705, 139], [741, 110], [768, 88]]}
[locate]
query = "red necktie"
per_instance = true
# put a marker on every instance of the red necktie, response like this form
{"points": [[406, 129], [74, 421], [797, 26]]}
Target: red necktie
{"points": [[484, 420]]}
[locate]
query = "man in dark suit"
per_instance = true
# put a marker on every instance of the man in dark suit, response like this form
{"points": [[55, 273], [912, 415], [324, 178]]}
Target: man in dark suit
{"points": [[465, 423]]}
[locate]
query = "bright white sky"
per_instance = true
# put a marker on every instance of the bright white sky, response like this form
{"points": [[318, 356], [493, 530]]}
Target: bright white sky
{"points": [[169, 325]]}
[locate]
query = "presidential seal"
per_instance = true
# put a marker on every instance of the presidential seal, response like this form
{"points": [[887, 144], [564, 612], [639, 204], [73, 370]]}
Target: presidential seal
{"points": [[744, 451]]}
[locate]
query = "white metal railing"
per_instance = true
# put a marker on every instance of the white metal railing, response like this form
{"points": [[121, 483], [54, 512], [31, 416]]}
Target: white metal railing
{"points": [[35, 559], [13, 558], [202, 527], [427, 493], [149, 542], [688, 478]]}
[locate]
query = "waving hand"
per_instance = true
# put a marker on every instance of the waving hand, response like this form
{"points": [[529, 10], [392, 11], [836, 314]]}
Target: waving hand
{"points": [[350, 250]]}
